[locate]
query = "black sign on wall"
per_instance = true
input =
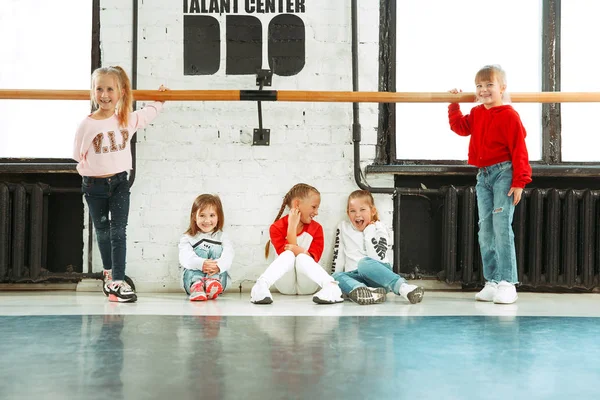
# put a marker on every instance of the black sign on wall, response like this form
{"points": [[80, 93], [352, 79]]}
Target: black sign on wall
{"points": [[286, 45], [244, 41], [201, 45]]}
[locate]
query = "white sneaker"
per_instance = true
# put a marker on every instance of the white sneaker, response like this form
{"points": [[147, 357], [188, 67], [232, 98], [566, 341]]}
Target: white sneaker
{"points": [[506, 293], [260, 293], [329, 294], [488, 292], [412, 293]]}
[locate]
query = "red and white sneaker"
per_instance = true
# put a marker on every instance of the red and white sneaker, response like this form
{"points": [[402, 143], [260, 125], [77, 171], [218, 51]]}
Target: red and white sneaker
{"points": [[197, 291], [213, 288]]}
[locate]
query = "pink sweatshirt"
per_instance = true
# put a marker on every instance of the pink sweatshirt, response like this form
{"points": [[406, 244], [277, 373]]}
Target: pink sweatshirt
{"points": [[102, 147]]}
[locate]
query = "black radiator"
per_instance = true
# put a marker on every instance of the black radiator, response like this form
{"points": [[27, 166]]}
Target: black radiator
{"points": [[557, 238], [23, 230]]}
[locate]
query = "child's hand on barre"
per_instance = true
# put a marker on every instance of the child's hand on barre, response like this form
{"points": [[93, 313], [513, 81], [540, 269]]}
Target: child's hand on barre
{"points": [[162, 88]]}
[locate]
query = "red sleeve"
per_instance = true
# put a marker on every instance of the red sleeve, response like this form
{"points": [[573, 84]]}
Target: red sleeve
{"points": [[278, 234], [318, 241], [459, 123], [518, 150]]}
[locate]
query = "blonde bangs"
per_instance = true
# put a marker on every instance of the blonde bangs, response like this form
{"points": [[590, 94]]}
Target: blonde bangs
{"points": [[489, 72]]}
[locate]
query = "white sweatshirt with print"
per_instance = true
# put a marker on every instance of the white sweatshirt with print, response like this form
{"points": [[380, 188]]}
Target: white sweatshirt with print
{"points": [[352, 245]]}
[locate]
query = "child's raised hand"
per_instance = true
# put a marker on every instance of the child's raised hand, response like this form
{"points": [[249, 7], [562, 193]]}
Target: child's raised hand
{"points": [[454, 91], [294, 218], [162, 88]]}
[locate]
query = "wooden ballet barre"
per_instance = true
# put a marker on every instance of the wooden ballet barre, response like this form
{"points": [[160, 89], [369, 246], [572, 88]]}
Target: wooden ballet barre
{"points": [[305, 96]]}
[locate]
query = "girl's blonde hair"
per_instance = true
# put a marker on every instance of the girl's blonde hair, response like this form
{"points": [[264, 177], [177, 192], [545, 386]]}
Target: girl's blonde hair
{"points": [[368, 197], [125, 104], [489, 72], [201, 202], [298, 191]]}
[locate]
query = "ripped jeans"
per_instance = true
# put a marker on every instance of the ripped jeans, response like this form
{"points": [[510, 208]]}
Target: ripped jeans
{"points": [[496, 210]]}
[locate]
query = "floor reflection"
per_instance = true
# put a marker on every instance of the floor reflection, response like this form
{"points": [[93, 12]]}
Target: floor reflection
{"points": [[297, 357]]}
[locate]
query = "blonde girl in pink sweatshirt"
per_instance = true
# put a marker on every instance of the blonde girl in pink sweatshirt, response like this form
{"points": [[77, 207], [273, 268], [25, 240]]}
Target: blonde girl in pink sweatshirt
{"points": [[103, 152]]}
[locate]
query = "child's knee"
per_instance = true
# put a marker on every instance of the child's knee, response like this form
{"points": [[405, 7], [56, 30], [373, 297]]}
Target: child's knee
{"points": [[365, 263], [304, 257], [287, 255], [369, 265], [201, 252]]}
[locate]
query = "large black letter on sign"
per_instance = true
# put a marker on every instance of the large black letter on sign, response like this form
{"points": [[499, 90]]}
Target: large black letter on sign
{"points": [[244, 45], [201, 45], [287, 40]]}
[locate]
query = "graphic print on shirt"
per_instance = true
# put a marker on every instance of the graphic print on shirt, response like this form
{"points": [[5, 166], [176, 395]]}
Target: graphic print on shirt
{"points": [[380, 247], [99, 139], [336, 248], [208, 246]]}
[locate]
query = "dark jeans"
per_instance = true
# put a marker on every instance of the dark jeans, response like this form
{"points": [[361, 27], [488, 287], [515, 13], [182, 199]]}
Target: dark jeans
{"points": [[108, 201]]}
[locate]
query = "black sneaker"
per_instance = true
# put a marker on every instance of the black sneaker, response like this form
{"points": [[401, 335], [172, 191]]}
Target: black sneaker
{"points": [[121, 292], [364, 295]]}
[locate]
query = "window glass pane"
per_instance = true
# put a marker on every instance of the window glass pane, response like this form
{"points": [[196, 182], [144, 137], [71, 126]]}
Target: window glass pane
{"points": [[441, 45], [47, 46], [579, 61]]}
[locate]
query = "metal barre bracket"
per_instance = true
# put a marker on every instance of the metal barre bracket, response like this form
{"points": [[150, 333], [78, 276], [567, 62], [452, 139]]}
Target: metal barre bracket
{"points": [[264, 77]]}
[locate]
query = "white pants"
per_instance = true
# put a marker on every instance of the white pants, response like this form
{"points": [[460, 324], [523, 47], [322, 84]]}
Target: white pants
{"points": [[295, 275]]}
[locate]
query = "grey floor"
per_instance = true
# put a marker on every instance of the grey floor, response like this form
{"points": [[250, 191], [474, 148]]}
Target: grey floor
{"points": [[52, 348]]}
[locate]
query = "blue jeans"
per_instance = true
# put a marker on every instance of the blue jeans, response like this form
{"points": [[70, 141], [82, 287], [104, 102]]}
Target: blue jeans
{"points": [[496, 210], [190, 276], [108, 202], [371, 273]]}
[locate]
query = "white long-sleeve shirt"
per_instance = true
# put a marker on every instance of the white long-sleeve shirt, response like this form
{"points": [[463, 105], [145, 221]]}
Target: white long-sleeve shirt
{"points": [[352, 245], [207, 241]]}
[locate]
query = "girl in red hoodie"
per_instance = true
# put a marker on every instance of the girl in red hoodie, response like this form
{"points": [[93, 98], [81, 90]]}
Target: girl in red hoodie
{"points": [[497, 148]]}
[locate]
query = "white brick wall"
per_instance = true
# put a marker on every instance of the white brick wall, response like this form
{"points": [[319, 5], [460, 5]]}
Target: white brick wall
{"points": [[198, 147]]}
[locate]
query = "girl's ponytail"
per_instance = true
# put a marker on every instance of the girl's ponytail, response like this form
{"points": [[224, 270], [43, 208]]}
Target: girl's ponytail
{"points": [[284, 203], [125, 105]]}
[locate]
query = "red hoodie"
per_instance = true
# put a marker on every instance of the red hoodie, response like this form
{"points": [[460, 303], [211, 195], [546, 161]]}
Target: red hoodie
{"points": [[497, 135]]}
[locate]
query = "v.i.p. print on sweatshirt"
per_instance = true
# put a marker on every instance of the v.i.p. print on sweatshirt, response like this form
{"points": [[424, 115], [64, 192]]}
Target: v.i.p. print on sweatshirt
{"points": [[98, 142]]}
